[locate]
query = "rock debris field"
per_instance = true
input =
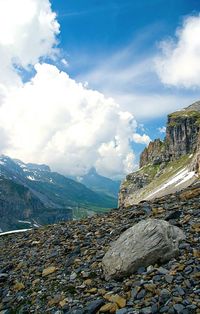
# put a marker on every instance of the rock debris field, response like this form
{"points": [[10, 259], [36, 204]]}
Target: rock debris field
{"points": [[58, 268]]}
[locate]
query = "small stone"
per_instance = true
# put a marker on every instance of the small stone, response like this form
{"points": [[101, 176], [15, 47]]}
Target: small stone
{"points": [[169, 278], [180, 291], [121, 302], [35, 281], [164, 295], [48, 271], [180, 267], [63, 302], [93, 290], [150, 287], [18, 286], [102, 291], [109, 307], [94, 306], [179, 308], [163, 271], [196, 253], [122, 311], [85, 274], [88, 282], [73, 276], [141, 270], [164, 309], [150, 268], [146, 310], [141, 294], [3, 277], [154, 309]]}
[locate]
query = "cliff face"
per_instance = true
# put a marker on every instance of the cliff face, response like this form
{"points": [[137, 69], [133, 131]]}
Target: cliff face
{"points": [[182, 133], [181, 137], [155, 153], [162, 161]]}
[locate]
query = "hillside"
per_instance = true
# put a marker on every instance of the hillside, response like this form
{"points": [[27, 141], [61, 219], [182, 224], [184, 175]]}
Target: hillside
{"points": [[58, 268], [32, 194], [170, 165]]}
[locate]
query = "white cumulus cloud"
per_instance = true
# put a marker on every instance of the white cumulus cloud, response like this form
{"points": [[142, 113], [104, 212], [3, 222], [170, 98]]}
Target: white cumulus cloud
{"points": [[179, 63], [141, 139], [55, 120], [52, 118], [28, 30]]}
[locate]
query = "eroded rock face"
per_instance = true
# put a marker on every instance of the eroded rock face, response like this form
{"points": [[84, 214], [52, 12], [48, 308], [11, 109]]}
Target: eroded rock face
{"points": [[134, 182], [144, 244], [181, 137], [155, 153], [195, 165], [182, 133]]}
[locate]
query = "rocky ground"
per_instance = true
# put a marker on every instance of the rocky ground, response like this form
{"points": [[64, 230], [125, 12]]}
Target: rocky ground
{"points": [[57, 269]]}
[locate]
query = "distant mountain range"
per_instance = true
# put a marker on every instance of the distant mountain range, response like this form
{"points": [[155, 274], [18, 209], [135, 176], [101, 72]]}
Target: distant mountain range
{"points": [[100, 184], [33, 195]]}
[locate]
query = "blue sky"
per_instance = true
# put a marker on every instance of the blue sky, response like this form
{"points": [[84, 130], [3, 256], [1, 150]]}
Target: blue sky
{"points": [[90, 83], [94, 31]]}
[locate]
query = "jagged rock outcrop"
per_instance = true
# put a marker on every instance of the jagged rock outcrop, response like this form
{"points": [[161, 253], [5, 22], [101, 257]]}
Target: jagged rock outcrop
{"points": [[155, 153], [182, 133], [181, 137], [163, 164], [144, 244]]}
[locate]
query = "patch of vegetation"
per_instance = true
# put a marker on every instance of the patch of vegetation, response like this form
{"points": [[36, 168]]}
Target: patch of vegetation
{"points": [[178, 116], [150, 170], [81, 212], [171, 169]]}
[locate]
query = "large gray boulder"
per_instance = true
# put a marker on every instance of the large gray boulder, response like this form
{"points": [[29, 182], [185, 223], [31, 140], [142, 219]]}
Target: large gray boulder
{"points": [[146, 243]]}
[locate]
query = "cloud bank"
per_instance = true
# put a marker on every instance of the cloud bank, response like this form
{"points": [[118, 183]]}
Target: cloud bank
{"points": [[28, 33], [52, 118], [55, 120], [179, 64]]}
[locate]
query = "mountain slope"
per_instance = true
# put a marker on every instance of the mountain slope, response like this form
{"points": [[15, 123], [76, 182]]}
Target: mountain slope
{"points": [[58, 269], [167, 166], [58, 197]]}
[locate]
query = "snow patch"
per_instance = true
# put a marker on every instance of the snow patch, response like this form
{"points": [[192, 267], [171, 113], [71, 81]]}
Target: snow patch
{"points": [[179, 178], [31, 178], [14, 231], [187, 177], [24, 222]]}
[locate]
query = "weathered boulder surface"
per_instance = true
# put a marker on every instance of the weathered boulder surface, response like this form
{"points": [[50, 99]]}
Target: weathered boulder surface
{"points": [[146, 243]]}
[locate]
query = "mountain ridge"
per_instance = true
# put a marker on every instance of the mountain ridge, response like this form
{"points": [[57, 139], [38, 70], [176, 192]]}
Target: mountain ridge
{"points": [[99, 183], [59, 198]]}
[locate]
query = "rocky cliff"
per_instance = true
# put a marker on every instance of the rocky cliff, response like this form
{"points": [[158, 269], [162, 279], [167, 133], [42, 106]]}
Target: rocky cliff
{"points": [[181, 137], [169, 165]]}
